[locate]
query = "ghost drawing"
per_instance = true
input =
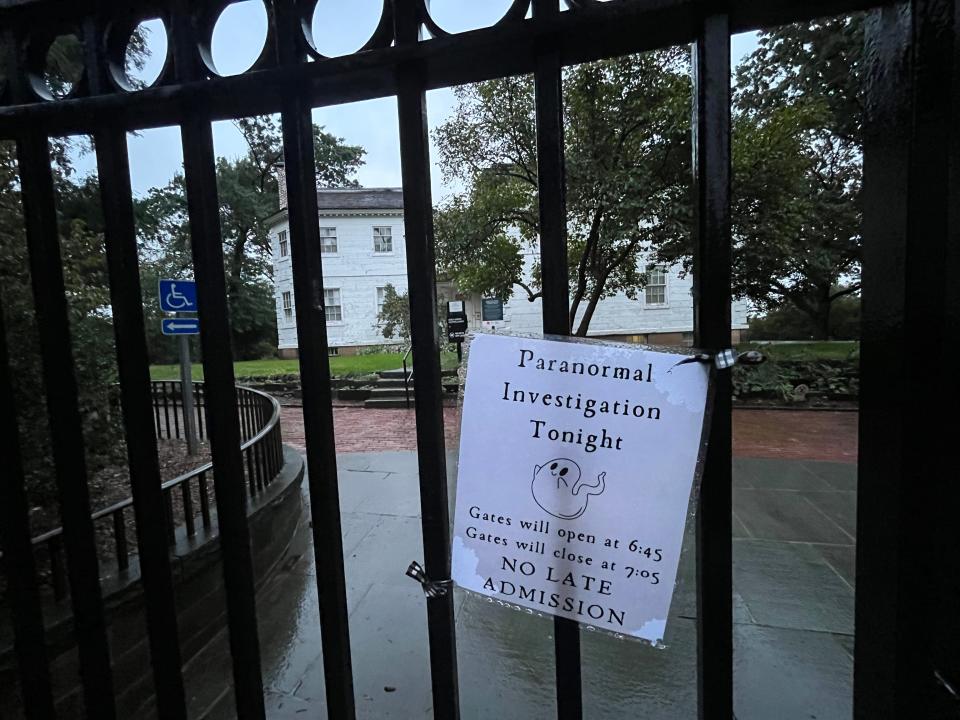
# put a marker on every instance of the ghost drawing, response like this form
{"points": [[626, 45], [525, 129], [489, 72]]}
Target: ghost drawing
{"points": [[558, 488]]}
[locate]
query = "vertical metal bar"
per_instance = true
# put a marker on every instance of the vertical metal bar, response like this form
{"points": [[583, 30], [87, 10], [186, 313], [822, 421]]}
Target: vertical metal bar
{"points": [[204, 501], [166, 409], [186, 395], [243, 414], [133, 365], [66, 428], [156, 409], [881, 463], [168, 515], [57, 573], [222, 422], [250, 424], [187, 500], [200, 408], [26, 615], [120, 541], [277, 450], [425, 342], [551, 182], [262, 446], [908, 573], [300, 161], [177, 410], [712, 331], [251, 482]]}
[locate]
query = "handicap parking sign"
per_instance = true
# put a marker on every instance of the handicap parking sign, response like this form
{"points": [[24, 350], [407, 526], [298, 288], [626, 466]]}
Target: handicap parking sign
{"points": [[178, 296]]}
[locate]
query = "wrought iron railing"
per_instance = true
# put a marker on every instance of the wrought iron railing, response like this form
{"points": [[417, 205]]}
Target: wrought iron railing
{"points": [[188, 497], [407, 376]]}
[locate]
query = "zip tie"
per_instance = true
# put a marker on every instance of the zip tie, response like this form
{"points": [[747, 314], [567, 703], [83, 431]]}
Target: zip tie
{"points": [[725, 359], [431, 588]]}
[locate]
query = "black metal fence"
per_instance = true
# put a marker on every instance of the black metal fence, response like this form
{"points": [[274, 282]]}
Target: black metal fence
{"points": [[907, 628], [187, 497]]}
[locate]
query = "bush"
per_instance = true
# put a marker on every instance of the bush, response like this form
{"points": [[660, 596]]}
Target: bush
{"points": [[788, 323], [794, 381]]}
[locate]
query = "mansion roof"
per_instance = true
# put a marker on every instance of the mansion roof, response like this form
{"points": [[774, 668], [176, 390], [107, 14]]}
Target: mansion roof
{"points": [[360, 199]]}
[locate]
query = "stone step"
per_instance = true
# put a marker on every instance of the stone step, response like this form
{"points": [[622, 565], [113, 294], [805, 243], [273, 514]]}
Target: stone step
{"points": [[384, 392], [399, 402], [387, 403], [448, 383], [392, 382], [398, 373]]}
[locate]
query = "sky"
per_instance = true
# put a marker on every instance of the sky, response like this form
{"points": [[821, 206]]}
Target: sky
{"points": [[339, 27]]}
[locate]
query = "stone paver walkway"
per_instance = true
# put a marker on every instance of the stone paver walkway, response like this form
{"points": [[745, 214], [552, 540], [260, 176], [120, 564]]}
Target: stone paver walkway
{"points": [[796, 434], [793, 550]]}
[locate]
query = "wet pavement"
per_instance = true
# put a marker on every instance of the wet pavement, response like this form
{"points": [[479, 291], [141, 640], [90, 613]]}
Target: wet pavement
{"points": [[794, 526]]}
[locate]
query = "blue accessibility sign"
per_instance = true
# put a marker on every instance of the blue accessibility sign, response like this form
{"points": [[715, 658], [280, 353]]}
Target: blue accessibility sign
{"points": [[180, 326], [178, 296]]}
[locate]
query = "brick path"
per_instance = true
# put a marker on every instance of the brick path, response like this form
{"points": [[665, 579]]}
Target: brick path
{"points": [[788, 434], [796, 435]]}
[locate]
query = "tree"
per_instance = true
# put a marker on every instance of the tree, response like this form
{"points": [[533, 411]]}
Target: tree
{"points": [[393, 319], [248, 195], [394, 315], [80, 226], [797, 151], [81, 244], [795, 212], [627, 128]]}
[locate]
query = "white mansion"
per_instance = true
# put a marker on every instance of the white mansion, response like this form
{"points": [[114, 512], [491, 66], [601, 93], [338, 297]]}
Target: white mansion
{"points": [[362, 245]]}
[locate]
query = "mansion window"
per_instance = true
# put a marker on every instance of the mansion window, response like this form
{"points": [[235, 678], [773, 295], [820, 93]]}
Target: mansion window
{"points": [[284, 243], [328, 240], [332, 305], [383, 239], [656, 289], [287, 306]]}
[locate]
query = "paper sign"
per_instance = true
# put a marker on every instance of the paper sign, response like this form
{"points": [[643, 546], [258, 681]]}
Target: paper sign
{"points": [[576, 468]]}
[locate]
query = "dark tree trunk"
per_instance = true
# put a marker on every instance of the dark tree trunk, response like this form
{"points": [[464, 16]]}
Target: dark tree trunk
{"points": [[591, 308], [821, 320]]}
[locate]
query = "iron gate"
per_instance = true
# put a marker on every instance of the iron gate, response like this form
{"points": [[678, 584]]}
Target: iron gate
{"points": [[907, 567]]}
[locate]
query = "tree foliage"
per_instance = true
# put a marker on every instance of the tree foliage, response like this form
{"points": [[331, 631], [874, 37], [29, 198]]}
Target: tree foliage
{"points": [[797, 207], [393, 319], [789, 323], [394, 316], [627, 129], [80, 225], [797, 151], [81, 246]]}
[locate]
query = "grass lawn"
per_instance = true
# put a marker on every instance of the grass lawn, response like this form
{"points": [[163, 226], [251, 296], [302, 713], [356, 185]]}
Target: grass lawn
{"points": [[833, 350], [340, 366]]}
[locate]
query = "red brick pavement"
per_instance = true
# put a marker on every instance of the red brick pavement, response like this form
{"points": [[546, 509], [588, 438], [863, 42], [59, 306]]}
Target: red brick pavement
{"points": [[796, 434], [789, 434]]}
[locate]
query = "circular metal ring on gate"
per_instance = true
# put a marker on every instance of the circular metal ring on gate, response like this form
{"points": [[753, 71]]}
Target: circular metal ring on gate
{"points": [[375, 17], [120, 36], [249, 13], [440, 18], [55, 67]]}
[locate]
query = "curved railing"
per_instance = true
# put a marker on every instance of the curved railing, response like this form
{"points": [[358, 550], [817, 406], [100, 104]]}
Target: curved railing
{"points": [[187, 498]]}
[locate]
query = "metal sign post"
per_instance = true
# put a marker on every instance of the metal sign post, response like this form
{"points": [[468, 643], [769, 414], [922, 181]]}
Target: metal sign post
{"points": [[186, 389], [456, 325], [180, 296]]}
